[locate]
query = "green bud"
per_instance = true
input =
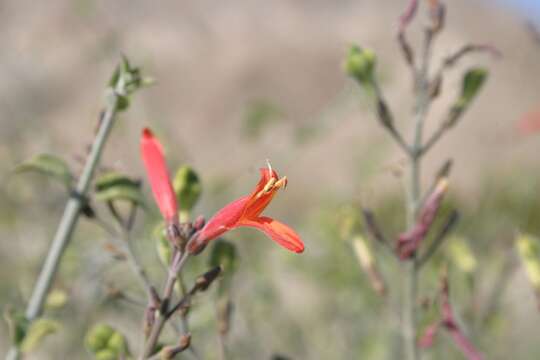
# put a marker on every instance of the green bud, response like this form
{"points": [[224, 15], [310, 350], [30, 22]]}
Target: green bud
{"points": [[98, 337], [117, 343], [187, 186], [56, 299], [224, 254], [163, 245], [106, 354], [360, 64]]}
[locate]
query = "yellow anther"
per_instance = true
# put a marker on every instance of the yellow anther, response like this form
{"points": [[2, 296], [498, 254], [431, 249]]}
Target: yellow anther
{"points": [[281, 183]]}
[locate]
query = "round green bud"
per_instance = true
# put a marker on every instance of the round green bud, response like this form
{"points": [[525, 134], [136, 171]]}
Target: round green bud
{"points": [[187, 186], [360, 64], [97, 338], [106, 354], [117, 343]]}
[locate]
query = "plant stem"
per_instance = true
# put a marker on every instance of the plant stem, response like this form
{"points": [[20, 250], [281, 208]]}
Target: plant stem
{"points": [[413, 199], [69, 219], [178, 262]]}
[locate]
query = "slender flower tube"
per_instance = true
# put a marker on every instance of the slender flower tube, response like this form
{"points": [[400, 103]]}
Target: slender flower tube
{"points": [[246, 211], [156, 169]]}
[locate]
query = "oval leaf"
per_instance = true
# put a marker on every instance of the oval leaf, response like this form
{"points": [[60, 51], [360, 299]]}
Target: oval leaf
{"points": [[48, 165]]}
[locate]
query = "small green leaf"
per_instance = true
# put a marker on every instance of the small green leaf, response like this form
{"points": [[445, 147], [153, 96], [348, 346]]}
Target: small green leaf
{"points": [[48, 165], [473, 80], [122, 103], [187, 187], [37, 332], [224, 254], [17, 325], [114, 186], [163, 246], [472, 83]]}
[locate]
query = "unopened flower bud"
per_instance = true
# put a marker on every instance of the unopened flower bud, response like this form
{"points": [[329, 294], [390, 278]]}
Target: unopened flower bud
{"points": [[187, 187], [199, 222], [205, 280], [97, 338], [360, 64]]}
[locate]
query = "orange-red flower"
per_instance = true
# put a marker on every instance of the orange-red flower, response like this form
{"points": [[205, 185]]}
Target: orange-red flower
{"points": [[156, 169], [246, 211]]}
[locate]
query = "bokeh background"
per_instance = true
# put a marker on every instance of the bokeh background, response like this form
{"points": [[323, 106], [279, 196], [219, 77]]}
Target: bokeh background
{"points": [[239, 82]]}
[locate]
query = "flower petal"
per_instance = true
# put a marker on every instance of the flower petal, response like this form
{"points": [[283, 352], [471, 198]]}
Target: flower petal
{"points": [[224, 220], [277, 231], [156, 169], [257, 203]]}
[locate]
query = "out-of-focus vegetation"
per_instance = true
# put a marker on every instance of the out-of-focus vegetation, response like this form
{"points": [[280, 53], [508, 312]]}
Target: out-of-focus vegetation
{"points": [[237, 84]]}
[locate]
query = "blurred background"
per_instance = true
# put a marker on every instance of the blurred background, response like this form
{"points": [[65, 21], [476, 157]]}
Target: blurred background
{"points": [[239, 82]]}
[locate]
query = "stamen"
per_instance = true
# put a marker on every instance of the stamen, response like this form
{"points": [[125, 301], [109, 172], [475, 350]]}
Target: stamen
{"points": [[281, 183], [269, 166]]}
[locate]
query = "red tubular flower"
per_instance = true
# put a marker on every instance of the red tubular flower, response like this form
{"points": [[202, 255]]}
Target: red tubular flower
{"points": [[449, 323], [246, 211], [156, 169], [409, 241]]}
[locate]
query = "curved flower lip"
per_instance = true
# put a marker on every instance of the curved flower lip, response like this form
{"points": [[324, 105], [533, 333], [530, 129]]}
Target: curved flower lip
{"points": [[246, 211], [156, 169]]}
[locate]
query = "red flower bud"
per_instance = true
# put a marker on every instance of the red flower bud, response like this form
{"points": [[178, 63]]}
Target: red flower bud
{"points": [[156, 169]]}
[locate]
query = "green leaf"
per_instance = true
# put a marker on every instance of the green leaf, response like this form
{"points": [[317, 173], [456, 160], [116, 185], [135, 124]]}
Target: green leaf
{"points": [[114, 187], [224, 254], [48, 165], [163, 246], [187, 187], [37, 332], [17, 325], [473, 80], [472, 83]]}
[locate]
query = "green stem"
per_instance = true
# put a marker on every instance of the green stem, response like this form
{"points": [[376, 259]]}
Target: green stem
{"points": [[67, 224], [413, 200]]}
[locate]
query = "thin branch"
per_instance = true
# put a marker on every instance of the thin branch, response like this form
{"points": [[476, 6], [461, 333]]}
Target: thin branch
{"points": [[386, 118], [71, 214], [178, 262]]}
